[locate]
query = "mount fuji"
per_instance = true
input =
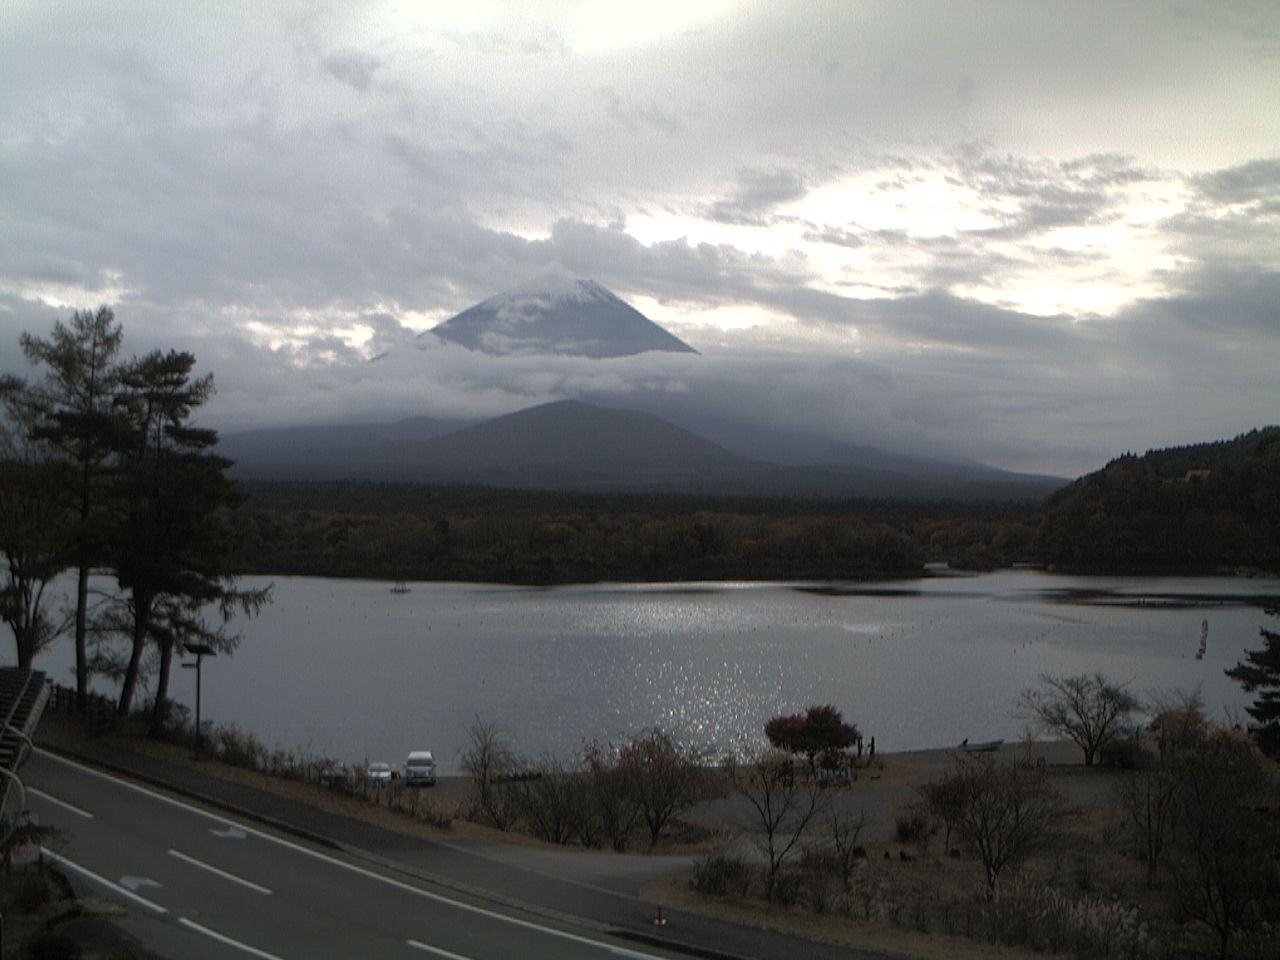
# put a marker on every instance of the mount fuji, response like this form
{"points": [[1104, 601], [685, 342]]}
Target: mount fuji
{"points": [[557, 313]]}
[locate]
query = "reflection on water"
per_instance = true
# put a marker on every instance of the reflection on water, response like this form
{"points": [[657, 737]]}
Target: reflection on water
{"points": [[350, 669]]}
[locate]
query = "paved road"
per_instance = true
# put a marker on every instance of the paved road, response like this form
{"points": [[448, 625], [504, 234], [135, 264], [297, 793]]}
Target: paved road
{"points": [[201, 885]]}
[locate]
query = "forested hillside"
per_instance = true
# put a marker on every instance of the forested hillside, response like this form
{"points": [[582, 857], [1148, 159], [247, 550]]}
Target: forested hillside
{"points": [[411, 531], [1201, 507]]}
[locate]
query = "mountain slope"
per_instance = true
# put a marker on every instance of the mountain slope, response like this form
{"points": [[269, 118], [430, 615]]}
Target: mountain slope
{"points": [[569, 445], [330, 452], [570, 433], [558, 314]]}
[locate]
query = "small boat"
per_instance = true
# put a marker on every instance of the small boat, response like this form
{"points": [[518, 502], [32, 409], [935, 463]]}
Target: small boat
{"points": [[400, 587], [987, 746]]}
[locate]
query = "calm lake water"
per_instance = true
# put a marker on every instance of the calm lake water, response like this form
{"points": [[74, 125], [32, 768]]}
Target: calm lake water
{"points": [[349, 669]]}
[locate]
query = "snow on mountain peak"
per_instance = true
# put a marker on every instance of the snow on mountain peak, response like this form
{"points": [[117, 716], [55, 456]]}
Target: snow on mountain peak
{"points": [[557, 313], [557, 285]]}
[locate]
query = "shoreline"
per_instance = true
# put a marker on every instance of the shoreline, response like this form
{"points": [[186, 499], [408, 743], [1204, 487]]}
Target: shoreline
{"points": [[932, 570]]}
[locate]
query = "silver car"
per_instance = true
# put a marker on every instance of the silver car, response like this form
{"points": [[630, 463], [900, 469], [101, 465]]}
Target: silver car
{"points": [[420, 769]]}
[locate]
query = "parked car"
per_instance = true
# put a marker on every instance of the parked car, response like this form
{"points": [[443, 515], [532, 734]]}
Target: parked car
{"points": [[331, 773], [839, 777], [420, 769], [379, 771]]}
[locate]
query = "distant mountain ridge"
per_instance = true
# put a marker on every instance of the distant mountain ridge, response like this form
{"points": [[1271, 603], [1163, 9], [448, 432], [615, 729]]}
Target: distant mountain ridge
{"points": [[571, 445], [556, 313]]}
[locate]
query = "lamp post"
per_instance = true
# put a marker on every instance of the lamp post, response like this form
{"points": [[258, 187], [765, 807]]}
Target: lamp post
{"points": [[201, 650]]}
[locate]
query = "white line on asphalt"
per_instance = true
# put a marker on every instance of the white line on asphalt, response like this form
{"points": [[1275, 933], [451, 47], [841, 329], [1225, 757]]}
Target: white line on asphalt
{"points": [[220, 873], [458, 904], [154, 907], [129, 784], [361, 871], [86, 872], [419, 945], [61, 803], [223, 938]]}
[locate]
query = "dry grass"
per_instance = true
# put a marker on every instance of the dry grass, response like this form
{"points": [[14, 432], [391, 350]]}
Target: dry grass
{"points": [[846, 931]]}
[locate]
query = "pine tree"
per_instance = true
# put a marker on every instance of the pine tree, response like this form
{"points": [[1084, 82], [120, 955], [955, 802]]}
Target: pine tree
{"points": [[171, 552], [73, 417], [1260, 672]]}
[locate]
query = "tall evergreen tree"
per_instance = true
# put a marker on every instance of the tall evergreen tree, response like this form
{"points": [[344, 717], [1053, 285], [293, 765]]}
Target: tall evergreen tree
{"points": [[1260, 672], [75, 417], [171, 551]]}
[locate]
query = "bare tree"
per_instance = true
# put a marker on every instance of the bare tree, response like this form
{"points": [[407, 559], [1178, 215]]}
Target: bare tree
{"points": [[665, 777], [613, 794], [1090, 710], [1223, 850], [1178, 721], [843, 829], [484, 757], [946, 800], [783, 805], [1005, 810], [551, 804], [1148, 795]]}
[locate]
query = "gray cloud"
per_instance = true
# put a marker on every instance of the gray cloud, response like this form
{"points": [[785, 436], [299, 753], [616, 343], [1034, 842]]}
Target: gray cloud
{"points": [[1046, 194], [1257, 180], [758, 193], [355, 68], [277, 174]]}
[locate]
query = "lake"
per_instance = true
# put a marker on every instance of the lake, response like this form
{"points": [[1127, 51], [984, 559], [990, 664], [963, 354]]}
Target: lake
{"points": [[352, 670]]}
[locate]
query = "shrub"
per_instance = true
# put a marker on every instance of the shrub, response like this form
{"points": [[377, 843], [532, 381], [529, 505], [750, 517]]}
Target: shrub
{"points": [[722, 875], [1031, 914], [911, 826], [819, 879], [1125, 753], [238, 748]]}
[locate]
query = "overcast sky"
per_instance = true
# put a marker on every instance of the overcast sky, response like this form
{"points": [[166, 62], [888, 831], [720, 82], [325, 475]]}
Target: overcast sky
{"points": [[1034, 234]]}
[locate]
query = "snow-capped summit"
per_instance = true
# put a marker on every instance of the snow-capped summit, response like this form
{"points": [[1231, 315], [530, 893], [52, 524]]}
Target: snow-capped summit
{"points": [[559, 314]]}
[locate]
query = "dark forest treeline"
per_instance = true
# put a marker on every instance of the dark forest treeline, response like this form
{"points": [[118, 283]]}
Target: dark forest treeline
{"points": [[412, 532], [1158, 512], [1202, 507]]}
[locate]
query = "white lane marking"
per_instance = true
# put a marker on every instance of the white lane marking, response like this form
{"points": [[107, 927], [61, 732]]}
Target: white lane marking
{"points": [[137, 883], [223, 938], [218, 873], [419, 945], [117, 781], [86, 872], [61, 803], [361, 871], [459, 905]]}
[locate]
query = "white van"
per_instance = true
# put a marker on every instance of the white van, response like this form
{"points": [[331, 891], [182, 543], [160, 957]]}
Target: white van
{"points": [[420, 769]]}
